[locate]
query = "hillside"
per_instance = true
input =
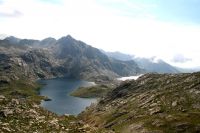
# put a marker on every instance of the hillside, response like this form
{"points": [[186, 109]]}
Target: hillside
{"points": [[154, 103]]}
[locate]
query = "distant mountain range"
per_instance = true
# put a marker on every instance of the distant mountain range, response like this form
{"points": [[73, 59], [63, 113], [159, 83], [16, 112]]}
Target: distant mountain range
{"points": [[47, 58], [148, 64], [153, 65]]}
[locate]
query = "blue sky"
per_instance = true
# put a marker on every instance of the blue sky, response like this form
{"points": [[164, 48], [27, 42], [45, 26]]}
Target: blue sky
{"points": [[167, 29], [180, 11]]}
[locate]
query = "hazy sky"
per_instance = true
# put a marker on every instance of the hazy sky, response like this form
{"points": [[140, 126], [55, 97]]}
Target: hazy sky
{"points": [[168, 29]]}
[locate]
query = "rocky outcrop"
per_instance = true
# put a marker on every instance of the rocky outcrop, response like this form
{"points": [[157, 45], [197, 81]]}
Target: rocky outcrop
{"points": [[21, 115]]}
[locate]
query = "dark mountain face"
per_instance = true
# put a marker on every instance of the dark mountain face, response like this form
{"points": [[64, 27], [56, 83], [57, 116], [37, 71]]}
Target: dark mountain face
{"points": [[86, 60], [63, 57], [68, 46]]}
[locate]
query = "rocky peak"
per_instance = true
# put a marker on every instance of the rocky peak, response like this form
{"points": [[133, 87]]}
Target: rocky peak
{"points": [[69, 37], [66, 38], [12, 40]]}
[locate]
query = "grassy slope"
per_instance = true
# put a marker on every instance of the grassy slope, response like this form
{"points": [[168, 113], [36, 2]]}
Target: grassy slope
{"points": [[91, 92], [22, 89], [153, 103]]}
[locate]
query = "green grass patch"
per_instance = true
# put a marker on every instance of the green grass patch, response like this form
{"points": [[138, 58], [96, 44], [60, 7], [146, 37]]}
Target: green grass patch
{"points": [[91, 92], [22, 89]]}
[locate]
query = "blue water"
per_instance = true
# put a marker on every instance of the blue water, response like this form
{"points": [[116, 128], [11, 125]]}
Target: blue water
{"points": [[58, 90]]}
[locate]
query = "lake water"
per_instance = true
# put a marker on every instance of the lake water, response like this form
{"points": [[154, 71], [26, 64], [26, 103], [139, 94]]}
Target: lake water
{"points": [[58, 90]]}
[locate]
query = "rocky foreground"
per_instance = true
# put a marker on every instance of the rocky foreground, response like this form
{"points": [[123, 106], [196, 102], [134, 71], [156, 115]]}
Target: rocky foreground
{"points": [[21, 116], [154, 103]]}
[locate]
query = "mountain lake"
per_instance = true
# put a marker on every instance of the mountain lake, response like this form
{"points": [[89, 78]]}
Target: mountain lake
{"points": [[58, 90]]}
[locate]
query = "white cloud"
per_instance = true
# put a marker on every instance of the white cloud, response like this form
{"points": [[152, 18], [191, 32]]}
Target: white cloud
{"points": [[104, 28], [179, 58]]}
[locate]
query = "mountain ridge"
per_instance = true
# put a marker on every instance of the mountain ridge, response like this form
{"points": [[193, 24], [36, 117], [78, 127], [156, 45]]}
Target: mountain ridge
{"points": [[149, 64], [66, 56]]}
